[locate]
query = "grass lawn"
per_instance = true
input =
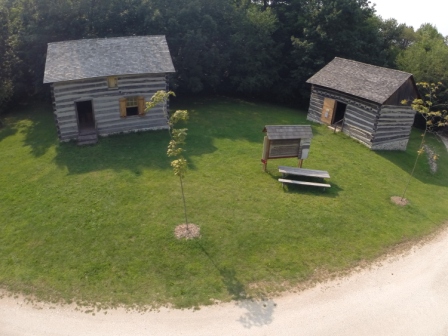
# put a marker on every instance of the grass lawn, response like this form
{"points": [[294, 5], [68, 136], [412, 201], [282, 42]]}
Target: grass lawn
{"points": [[95, 224]]}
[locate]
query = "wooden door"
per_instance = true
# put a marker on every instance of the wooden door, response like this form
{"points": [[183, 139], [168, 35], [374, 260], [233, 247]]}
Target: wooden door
{"points": [[328, 111]]}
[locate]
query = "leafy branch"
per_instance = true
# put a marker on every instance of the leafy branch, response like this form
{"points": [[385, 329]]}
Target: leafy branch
{"points": [[178, 136], [433, 113]]}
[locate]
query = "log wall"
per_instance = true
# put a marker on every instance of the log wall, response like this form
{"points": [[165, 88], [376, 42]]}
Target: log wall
{"points": [[360, 115], [378, 127], [393, 128], [105, 103]]}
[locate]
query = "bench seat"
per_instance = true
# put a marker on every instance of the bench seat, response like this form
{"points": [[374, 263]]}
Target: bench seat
{"points": [[313, 184], [303, 172]]}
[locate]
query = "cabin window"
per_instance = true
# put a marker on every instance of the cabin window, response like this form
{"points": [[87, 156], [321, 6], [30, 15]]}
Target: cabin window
{"points": [[132, 106], [112, 82]]}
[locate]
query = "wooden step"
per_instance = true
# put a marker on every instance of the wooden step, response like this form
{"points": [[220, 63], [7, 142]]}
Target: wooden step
{"points": [[87, 139]]}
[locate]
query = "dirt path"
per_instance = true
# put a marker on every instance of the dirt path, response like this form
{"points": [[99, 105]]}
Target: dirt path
{"points": [[406, 295]]}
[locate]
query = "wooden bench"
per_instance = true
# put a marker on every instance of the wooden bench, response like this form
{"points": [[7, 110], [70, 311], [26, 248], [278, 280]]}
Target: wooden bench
{"points": [[314, 184], [303, 172]]}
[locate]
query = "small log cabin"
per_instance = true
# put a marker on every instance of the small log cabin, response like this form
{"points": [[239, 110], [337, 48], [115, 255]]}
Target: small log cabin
{"points": [[100, 86], [365, 102]]}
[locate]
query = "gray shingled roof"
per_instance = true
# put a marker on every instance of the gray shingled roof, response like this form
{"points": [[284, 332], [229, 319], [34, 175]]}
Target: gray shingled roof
{"points": [[367, 81], [80, 59], [279, 132]]}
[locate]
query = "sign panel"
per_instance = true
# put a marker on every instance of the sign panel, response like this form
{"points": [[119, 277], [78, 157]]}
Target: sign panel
{"points": [[284, 148]]}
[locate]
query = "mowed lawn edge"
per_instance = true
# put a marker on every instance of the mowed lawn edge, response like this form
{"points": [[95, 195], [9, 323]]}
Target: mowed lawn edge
{"points": [[95, 224]]}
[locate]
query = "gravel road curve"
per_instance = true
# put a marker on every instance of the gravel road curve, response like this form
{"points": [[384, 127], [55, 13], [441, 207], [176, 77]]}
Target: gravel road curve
{"points": [[404, 295]]}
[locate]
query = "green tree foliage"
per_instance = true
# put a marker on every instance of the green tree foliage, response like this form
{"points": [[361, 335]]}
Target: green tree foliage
{"points": [[433, 111], [330, 28], [255, 66], [394, 37], [427, 57], [264, 48], [6, 59], [178, 137]]}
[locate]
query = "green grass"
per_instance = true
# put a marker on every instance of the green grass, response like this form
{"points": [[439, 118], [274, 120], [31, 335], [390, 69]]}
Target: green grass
{"points": [[95, 224]]}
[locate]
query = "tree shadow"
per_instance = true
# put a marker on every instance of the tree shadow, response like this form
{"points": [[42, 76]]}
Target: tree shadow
{"points": [[259, 312], [36, 123], [39, 138], [6, 131], [405, 160]]}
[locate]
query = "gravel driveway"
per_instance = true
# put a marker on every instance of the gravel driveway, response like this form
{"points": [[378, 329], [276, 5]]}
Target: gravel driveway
{"points": [[405, 295]]}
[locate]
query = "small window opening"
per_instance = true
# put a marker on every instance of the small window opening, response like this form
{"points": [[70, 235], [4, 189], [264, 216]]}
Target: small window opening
{"points": [[112, 82]]}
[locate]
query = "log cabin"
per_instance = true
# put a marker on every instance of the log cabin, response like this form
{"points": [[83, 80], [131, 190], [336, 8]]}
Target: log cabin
{"points": [[365, 102], [100, 86]]}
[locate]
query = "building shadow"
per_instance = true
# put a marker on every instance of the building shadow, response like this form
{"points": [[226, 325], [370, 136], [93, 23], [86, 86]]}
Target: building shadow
{"points": [[132, 151]]}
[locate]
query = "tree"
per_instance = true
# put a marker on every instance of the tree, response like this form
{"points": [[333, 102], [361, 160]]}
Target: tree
{"points": [[395, 38], [330, 28], [178, 136], [6, 59], [254, 54], [427, 57], [434, 113]]}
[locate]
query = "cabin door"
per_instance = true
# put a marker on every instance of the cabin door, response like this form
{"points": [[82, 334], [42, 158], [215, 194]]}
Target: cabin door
{"points": [[328, 111], [86, 119], [339, 113]]}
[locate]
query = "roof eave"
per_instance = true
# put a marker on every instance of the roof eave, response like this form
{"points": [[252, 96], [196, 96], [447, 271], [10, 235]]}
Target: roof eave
{"points": [[49, 81]]}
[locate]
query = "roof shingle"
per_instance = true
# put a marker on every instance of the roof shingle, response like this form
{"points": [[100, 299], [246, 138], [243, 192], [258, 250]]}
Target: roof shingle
{"points": [[81, 59], [363, 80], [283, 132]]}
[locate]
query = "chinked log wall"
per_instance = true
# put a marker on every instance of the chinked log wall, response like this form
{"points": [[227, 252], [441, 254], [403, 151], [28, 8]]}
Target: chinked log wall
{"points": [[393, 128], [360, 115], [378, 127], [106, 107]]}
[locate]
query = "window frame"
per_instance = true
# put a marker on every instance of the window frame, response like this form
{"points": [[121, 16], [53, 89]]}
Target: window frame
{"points": [[132, 102], [112, 82]]}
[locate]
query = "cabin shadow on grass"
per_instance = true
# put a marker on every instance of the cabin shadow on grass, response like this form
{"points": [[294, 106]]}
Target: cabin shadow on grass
{"points": [[132, 152]]}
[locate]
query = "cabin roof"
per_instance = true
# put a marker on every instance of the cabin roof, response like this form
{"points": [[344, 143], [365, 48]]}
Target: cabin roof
{"points": [[363, 80], [90, 58], [280, 132]]}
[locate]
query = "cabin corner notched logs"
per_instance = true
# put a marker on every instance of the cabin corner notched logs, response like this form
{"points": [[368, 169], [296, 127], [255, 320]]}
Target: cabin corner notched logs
{"points": [[367, 100]]}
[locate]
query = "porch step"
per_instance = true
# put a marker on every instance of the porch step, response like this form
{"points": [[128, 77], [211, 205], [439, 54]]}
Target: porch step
{"points": [[87, 139]]}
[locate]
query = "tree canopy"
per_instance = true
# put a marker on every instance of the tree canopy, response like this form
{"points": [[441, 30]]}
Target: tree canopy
{"points": [[258, 48]]}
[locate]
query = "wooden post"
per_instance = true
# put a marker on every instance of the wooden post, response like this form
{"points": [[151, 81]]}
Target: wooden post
{"points": [[300, 163], [265, 155]]}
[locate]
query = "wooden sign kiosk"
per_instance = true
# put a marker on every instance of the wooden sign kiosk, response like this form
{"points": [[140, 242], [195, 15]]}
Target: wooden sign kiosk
{"points": [[286, 141]]}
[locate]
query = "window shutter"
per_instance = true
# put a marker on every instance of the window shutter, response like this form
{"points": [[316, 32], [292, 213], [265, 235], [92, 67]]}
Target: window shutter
{"points": [[141, 105], [112, 82], [123, 107]]}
